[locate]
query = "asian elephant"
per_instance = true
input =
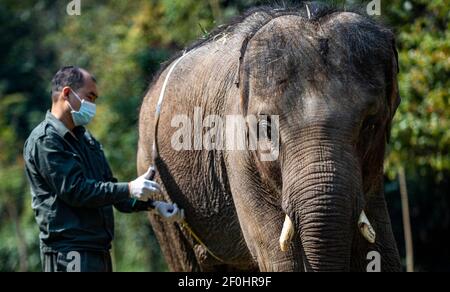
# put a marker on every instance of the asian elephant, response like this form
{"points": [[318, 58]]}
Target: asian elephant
{"points": [[331, 79]]}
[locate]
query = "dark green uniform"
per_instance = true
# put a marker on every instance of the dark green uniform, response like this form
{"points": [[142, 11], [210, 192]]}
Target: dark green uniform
{"points": [[73, 191]]}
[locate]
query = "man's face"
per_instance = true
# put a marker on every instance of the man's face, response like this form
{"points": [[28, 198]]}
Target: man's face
{"points": [[88, 92]]}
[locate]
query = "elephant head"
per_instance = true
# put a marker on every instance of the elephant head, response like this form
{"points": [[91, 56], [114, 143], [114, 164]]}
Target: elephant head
{"points": [[332, 83]]}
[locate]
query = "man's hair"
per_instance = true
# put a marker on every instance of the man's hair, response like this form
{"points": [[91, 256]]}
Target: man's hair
{"points": [[67, 76]]}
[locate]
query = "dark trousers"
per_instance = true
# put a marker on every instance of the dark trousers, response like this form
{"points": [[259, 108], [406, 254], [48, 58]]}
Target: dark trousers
{"points": [[78, 261]]}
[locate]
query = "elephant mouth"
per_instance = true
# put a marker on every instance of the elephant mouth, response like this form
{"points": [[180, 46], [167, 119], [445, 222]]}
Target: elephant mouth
{"points": [[288, 231]]}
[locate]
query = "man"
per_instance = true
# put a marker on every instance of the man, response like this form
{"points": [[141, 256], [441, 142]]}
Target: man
{"points": [[73, 189]]}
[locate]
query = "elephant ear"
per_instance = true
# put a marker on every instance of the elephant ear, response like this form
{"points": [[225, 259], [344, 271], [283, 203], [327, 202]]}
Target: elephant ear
{"points": [[393, 95]]}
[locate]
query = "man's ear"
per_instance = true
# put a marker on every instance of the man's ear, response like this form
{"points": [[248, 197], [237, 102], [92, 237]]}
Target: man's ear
{"points": [[65, 92]]}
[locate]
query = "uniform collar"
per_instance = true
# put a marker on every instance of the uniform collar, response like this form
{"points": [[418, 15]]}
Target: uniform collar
{"points": [[61, 128]]}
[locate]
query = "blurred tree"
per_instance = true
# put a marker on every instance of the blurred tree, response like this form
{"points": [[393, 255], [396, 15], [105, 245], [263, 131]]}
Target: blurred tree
{"points": [[421, 140], [421, 136], [24, 74]]}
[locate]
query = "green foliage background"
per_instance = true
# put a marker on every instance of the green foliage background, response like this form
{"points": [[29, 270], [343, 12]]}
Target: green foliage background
{"points": [[124, 42]]}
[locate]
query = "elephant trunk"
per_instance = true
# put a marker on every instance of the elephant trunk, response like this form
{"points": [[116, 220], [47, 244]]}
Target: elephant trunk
{"points": [[322, 195]]}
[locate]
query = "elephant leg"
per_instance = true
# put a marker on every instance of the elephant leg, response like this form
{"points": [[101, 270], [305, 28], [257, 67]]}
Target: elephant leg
{"points": [[261, 223], [183, 255], [175, 247], [177, 251], [385, 243]]}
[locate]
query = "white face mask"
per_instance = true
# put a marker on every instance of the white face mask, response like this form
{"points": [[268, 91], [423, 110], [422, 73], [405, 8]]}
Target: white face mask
{"points": [[86, 113]]}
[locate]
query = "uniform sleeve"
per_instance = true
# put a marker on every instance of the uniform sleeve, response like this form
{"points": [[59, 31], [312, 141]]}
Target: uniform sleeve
{"points": [[125, 206], [128, 205], [63, 172], [133, 206]]}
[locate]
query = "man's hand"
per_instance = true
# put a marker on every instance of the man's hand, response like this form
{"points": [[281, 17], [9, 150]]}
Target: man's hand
{"points": [[142, 188], [171, 212]]}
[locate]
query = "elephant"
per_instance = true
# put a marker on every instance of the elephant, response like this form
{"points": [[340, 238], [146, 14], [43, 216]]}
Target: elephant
{"points": [[330, 78]]}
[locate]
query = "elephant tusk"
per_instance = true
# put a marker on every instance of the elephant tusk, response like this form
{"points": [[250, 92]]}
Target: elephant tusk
{"points": [[366, 228], [286, 234]]}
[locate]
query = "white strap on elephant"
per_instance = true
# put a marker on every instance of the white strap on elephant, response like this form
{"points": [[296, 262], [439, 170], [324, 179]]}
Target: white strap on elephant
{"points": [[160, 102], [166, 81], [155, 153]]}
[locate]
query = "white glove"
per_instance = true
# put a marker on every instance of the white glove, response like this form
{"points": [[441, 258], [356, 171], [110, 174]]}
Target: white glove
{"points": [[142, 188], [169, 211]]}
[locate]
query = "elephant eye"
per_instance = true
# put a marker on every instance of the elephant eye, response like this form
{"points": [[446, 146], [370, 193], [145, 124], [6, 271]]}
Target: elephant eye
{"points": [[370, 124]]}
